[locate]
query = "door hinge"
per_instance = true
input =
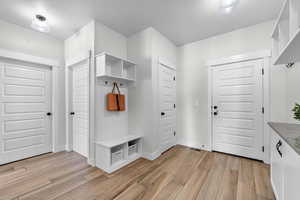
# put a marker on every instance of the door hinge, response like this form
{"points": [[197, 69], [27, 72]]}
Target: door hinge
{"points": [[174, 133], [262, 110], [174, 105], [263, 148], [174, 78], [263, 71]]}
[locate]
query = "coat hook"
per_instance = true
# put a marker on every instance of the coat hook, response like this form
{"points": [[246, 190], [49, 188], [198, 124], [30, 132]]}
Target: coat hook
{"points": [[290, 65]]}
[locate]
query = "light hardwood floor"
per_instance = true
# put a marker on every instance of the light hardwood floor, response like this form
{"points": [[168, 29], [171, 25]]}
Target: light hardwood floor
{"points": [[179, 174]]}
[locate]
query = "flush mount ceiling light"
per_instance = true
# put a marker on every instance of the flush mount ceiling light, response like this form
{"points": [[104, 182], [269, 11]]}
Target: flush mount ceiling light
{"points": [[228, 5], [39, 23]]}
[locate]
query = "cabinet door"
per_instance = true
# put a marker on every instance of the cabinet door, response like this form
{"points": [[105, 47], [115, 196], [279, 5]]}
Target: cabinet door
{"points": [[276, 167], [291, 174]]}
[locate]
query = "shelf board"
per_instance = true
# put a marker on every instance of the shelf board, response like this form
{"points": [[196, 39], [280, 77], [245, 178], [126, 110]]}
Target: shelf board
{"points": [[291, 51], [119, 78], [118, 141], [115, 57]]}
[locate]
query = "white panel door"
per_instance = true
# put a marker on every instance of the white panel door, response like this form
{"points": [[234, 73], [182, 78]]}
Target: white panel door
{"points": [[237, 109], [167, 105], [25, 93], [80, 106]]}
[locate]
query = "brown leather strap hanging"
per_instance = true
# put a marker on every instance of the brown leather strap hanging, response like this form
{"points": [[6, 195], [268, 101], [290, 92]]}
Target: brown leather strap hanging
{"points": [[115, 101]]}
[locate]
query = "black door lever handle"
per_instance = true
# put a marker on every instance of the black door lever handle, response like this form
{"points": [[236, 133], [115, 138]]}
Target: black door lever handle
{"points": [[72, 113], [162, 113]]}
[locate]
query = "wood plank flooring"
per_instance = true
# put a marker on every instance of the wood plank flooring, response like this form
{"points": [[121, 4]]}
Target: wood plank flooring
{"points": [[179, 174]]}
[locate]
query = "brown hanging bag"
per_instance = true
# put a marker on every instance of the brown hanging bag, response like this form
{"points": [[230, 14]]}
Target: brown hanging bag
{"points": [[115, 101]]}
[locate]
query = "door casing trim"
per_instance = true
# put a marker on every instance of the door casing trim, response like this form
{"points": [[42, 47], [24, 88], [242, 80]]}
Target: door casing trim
{"points": [[264, 55], [54, 66]]}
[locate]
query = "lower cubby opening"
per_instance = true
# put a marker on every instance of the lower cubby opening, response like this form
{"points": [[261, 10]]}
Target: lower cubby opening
{"points": [[117, 154]]}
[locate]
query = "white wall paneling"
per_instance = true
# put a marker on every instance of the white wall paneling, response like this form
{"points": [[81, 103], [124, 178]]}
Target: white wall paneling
{"points": [[260, 62]]}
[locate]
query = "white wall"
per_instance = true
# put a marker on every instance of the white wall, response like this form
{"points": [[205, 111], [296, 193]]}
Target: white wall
{"points": [[139, 50], [192, 79], [110, 41], [77, 47], [109, 125], [293, 91], [18, 39], [145, 48], [98, 38]]}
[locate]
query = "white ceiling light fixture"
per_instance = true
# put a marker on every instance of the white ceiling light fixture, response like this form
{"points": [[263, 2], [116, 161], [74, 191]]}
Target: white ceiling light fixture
{"points": [[228, 5], [40, 23]]}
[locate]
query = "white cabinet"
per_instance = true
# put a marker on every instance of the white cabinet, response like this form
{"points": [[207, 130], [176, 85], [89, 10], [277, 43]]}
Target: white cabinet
{"points": [[285, 169], [111, 155], [276, 166], [286, 34], [291, 175]]}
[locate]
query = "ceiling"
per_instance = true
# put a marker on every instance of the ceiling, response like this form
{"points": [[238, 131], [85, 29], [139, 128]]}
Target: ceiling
{"points": [[182, 21]]}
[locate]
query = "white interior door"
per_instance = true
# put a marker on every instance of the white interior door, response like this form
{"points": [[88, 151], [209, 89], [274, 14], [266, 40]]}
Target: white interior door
{"points": [[167, 105], [80, 106], [24, 103], [237, 109]]}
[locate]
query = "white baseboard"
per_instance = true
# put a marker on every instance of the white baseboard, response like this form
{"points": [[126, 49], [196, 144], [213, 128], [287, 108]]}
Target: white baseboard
{"points": [[194, 145], [92, 162], [151, 156], [274, 189], [59, 148]]}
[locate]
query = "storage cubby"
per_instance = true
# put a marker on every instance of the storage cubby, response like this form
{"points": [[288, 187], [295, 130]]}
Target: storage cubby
{"points": [[129, 70], [108, 65], [111, 67], [111, 155], [117, 154], [133, 147]]}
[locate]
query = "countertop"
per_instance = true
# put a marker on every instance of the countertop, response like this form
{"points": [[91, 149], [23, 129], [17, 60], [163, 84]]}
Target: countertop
{"points": [[290, 133]]}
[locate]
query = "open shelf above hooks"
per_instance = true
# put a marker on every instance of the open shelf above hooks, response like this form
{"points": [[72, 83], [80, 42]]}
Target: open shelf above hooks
{"points": [[112, 68]]}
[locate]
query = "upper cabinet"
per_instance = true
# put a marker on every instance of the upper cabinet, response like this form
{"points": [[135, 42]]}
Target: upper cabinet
{"points": [[286, 34]]}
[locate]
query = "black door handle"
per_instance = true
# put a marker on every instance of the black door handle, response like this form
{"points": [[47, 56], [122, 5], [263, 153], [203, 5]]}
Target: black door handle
{"points": [[215, 107], [72, 113], [162, 113], [278, 145], [215, 113], [49, 113]]}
